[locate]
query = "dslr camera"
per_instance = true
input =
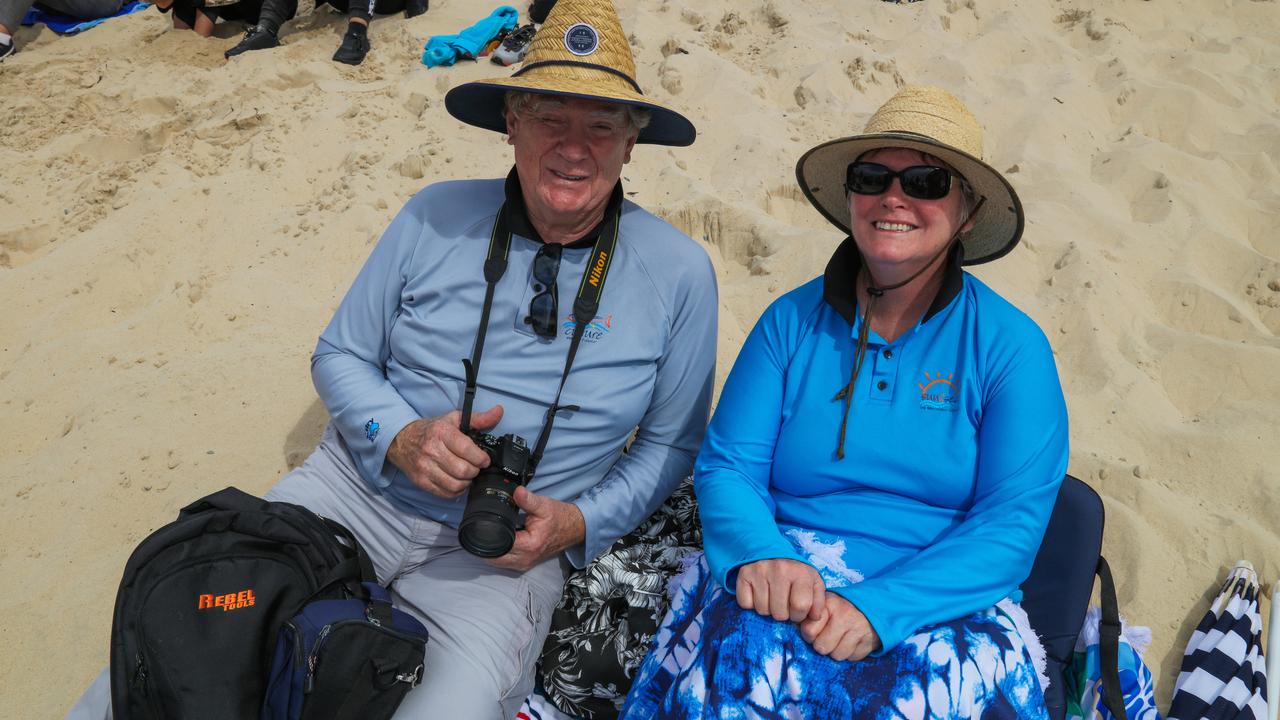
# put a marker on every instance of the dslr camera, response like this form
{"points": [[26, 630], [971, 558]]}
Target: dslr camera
{"points": [[488, 527]]}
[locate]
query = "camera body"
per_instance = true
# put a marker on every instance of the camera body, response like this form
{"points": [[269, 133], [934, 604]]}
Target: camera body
{"points": [[488, 526]]}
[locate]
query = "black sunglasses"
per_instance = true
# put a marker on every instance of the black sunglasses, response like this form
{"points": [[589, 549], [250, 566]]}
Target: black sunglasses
{"points": [[543, 308], [924, 182]]}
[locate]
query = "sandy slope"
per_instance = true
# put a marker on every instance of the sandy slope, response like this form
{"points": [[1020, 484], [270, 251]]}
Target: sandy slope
{"points": [[175, 231]]}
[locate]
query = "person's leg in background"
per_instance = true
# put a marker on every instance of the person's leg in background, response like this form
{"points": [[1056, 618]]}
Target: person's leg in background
{"points": [[355, 41], [186, 16], [265, 33], [11, 12]]}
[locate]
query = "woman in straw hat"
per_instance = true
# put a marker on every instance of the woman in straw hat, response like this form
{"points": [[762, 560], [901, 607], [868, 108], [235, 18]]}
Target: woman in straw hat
{"points": [[883, 460]]}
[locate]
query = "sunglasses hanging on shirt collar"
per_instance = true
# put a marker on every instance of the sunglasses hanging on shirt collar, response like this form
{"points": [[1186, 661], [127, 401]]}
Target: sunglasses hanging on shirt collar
{"points": [[585, 305], [544, 306]]}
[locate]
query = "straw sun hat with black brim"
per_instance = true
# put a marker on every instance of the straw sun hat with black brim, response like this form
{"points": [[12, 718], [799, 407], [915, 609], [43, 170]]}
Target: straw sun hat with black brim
{"points": [[580, 51], [929, 120]]}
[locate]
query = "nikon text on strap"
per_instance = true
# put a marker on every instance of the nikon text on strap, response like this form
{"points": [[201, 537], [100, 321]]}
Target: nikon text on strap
{"points": [[585, 306]]}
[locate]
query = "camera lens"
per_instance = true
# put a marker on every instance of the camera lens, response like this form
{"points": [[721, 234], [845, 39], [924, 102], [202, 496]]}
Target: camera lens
{"points": [[486, 535], [488, 527]]}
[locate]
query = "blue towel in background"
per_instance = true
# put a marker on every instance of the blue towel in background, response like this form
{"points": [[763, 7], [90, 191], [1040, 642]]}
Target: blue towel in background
{"points": [[447, 49], [66, 25]]}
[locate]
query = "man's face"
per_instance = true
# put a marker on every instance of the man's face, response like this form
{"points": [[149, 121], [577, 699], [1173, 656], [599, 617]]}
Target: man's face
{"points": [[569, 155]]}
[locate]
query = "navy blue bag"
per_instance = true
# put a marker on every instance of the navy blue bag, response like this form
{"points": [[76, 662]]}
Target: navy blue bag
{"points": [[352, 657]]}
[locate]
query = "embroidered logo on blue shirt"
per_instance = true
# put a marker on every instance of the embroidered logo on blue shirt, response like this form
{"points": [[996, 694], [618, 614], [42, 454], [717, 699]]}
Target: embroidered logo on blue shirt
{"points": [[599, 326], [937, 393], [371, 429]]}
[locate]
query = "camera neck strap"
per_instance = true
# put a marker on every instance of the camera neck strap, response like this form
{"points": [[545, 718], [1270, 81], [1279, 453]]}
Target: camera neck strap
{"points": [[585, 305]]}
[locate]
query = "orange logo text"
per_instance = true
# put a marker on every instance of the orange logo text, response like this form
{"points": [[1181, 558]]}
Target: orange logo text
{"points": [[228, 602]]}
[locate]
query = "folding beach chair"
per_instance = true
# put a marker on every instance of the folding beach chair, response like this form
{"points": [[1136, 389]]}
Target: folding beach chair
{"points": [[1056, 593]]}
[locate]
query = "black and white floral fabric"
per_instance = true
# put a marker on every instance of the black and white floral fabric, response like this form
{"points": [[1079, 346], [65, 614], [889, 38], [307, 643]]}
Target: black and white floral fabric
{"points": [[609, 614]]}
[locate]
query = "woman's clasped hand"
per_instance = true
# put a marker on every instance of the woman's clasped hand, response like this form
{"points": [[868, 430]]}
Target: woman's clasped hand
{"points": [[794, 591]]}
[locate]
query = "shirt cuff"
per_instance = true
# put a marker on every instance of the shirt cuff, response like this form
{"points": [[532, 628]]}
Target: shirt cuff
{"points": [[371, 443]]}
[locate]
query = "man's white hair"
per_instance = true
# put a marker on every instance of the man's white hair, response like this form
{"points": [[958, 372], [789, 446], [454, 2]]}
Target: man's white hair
{"points": [[519, 101]]}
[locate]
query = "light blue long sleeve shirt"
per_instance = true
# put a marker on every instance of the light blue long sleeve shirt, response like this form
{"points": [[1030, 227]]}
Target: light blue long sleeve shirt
{"points": [[955, 448], [393, 354]]}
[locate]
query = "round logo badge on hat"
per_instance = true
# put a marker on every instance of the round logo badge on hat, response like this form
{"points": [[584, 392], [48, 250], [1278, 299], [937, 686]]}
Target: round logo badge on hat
{"points": [[581, 39]]}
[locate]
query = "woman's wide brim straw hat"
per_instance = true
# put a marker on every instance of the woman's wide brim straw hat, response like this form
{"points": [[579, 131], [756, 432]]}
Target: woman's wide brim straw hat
{"points": [[933, 121], [580, 51]]}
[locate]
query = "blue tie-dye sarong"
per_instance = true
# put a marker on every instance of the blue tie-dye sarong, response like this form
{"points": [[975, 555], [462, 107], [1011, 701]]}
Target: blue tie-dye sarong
{"points": [[712, 659]]}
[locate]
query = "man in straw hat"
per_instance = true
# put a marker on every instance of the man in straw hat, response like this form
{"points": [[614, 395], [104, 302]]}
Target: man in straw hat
{"points": [[593, 316], [883, 461], [601, 327]]}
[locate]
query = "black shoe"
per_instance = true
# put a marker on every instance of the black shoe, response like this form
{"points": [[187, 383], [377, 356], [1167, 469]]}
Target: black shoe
{"points": [[355, 45], [6, 49], [414, 8], [256, 38]]}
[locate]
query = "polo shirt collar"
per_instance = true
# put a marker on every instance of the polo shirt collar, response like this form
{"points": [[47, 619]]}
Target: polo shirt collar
{"points": [[518, 214], [839, 283]]}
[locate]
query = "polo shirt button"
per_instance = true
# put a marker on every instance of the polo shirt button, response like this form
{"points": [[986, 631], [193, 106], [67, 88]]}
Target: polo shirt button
{"points": [[882, 385], [888, 353]]}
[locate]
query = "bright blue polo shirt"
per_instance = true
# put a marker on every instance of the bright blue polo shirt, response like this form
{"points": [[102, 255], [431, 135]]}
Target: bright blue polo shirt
{"points": [[955, 447]]}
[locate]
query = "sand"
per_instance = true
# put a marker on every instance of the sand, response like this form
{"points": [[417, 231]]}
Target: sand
{"points": [[176, 230]]}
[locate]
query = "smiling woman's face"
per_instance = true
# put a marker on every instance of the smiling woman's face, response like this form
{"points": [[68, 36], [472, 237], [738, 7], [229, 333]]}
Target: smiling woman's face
{"points": [[569, 155], [898, 233]]}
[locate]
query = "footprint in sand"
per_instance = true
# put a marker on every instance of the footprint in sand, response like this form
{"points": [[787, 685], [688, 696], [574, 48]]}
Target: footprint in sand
{"points": [[775, 17], [1197, 309], [291, 79], [1066, 258], [693, 20], [954, 6], [1153, 204], [1072, 18], [879, 72], [787, 204], [731, 23], [1196, 378], [20, 246], [359, 161], [671, 78], [726, 227], [196, 289], [414, 165]]}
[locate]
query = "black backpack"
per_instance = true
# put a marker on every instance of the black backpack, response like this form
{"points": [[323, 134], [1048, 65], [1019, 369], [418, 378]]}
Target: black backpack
{"points": [[203, 598]]}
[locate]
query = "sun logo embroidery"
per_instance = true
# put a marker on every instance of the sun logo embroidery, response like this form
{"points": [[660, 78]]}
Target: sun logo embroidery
{"points": [[937, 392]]}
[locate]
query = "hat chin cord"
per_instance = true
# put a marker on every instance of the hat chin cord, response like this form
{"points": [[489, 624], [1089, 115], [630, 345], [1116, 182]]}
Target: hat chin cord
{"points": [[874, 292]]}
